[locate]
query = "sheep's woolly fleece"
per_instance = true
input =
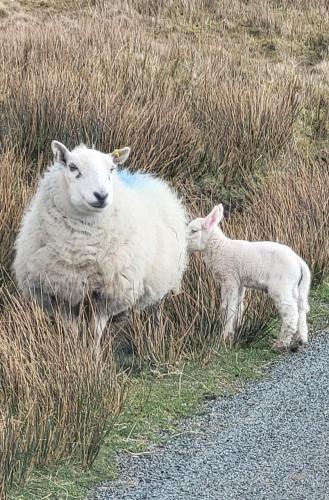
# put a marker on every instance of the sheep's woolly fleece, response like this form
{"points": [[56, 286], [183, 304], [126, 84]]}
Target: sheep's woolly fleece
{"points": [[132, 251]]}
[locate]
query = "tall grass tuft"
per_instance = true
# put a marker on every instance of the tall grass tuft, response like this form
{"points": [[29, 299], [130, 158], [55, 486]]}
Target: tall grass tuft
{"points": [[56, 401]]}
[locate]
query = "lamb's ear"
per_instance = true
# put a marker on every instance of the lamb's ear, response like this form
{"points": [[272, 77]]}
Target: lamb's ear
{"points": [[119, 156], [61, 153], [213, 218], [220, 212]]}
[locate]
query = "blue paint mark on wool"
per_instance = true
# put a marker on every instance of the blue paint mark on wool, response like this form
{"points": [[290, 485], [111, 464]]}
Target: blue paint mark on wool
{"points": [[135, 180]]}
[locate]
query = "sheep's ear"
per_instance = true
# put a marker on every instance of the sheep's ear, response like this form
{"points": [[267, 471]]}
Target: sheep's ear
{"points": [[61, 153], [119, 156], [213, 218]]}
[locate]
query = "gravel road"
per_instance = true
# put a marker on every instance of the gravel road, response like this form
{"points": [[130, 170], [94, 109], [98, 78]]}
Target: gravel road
{"points": [[270, 442]]}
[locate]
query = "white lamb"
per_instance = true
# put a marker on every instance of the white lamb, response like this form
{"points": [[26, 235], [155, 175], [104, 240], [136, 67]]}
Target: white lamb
{"points": [[118, 237], [265, 265]]}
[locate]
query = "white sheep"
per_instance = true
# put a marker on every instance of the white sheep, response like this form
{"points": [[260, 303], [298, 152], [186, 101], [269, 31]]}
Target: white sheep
{"points": [[265, 265], [118, 237]]}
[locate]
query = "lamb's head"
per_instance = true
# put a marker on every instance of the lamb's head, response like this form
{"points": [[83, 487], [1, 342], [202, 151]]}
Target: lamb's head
{"points": [[199, 230], [89, 175]]}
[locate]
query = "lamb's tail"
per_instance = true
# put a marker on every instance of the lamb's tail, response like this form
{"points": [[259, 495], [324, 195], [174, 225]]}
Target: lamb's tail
{"points": [[304, 286]]}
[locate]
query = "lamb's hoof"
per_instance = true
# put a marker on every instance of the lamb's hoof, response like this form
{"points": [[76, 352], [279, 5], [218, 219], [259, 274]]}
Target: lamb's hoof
{"points": [[297, 346], [280, 346]]}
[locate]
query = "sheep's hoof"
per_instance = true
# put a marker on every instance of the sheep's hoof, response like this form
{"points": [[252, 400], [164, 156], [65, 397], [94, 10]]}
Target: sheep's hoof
{"points": [[280, 346], [123, 316]]}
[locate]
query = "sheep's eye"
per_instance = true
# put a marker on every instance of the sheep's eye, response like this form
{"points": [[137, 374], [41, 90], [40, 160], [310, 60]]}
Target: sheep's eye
{"points": [[73, 168], [194, 231]]}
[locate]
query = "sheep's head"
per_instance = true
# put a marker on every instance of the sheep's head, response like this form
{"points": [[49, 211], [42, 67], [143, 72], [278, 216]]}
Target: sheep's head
{"points": [[89, 175], [200, 229]]}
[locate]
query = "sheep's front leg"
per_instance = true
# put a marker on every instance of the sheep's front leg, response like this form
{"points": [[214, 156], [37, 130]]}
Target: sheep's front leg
{"points": [[229, 311], [68, 314], [97, 326], [70, 322]]}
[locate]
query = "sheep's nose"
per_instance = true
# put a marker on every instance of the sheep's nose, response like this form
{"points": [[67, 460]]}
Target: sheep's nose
{"points": [[100, 197]]}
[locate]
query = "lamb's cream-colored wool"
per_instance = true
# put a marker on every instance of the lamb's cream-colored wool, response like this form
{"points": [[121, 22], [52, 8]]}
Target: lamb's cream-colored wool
{"points": [[265, 265], [117, 236]]}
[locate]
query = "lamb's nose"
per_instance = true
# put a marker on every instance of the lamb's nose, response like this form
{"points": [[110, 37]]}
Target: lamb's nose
{"points": [[100, 197]]}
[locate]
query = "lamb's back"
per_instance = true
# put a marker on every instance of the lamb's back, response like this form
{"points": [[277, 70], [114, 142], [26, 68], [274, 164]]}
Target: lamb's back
{"points": [[263, 262], [254, 264]]}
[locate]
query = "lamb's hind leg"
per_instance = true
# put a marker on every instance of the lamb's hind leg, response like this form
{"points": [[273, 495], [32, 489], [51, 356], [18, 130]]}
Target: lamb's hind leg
{"points": [[301, 336], [229, 311], [288, 309], [302, 330], [240, 313]]}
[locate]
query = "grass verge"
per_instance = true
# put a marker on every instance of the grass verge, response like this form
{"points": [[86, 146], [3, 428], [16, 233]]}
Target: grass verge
{"points": [[156, 402]]}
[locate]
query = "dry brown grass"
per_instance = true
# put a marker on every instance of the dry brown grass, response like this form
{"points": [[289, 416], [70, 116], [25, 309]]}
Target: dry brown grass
{"points": [[292, 207], [56, 401], [15, 193], [229, 101], [243, 125]]}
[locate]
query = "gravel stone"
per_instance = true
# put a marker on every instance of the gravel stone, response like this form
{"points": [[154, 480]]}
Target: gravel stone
{"points": [[269, 442]]}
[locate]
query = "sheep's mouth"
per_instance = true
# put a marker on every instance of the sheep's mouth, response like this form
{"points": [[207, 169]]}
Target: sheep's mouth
{"points": [[98, 204]]}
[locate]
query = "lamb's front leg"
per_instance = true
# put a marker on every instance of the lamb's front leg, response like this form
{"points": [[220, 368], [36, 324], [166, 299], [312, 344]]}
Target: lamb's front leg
{"points": [[240, 313], [229, 311]]}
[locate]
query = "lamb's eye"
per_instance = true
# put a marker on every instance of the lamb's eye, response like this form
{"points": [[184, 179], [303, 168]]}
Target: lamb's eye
{"points": [[73, 168], [194, 231]]}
